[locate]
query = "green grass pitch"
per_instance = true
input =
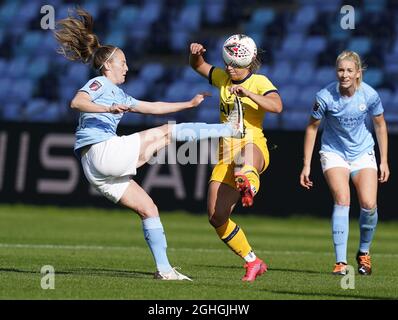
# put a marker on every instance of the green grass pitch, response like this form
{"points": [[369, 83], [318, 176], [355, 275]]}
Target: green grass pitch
{"points": [[101, 254]]}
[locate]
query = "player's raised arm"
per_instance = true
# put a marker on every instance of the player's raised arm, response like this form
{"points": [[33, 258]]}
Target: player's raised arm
{"points": [[168, 107], [196, 60]]}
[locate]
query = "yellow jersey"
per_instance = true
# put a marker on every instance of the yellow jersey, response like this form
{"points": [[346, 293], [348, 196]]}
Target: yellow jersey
{"points": [[253, 115]]}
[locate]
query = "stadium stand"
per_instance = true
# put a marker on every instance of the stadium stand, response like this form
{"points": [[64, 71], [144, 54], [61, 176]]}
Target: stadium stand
{"points": [[300, 40]]}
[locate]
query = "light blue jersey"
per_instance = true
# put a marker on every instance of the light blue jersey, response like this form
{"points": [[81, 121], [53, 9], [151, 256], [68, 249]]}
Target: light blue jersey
{"points": [[345, 130], [97, 127]]}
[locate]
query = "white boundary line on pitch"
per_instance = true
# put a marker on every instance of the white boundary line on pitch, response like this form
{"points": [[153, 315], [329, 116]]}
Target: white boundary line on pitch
{"points": [[94, 247]]}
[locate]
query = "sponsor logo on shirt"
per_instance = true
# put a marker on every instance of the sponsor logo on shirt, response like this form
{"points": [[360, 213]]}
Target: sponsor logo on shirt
{"points": [[316, 106], [95, 85]]}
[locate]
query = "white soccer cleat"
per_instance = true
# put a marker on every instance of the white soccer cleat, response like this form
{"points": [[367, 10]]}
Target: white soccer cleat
{"points": [[235, 119], [172, 275]]}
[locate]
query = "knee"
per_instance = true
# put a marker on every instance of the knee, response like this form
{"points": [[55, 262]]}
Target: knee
{"points": [[368, 205], [149, 210], [342, 203], [217, 219], [342, 200]]}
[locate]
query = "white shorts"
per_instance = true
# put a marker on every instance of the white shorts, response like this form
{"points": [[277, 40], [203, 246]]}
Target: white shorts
{"points": [[108, 165], [332, 160]]}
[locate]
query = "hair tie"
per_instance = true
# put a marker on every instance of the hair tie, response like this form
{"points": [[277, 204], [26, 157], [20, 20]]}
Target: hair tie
{"points": [[107, 59]]}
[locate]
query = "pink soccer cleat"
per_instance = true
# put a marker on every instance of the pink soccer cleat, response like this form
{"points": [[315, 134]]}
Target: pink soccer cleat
{"points": [[243, 186], [254, 269]]}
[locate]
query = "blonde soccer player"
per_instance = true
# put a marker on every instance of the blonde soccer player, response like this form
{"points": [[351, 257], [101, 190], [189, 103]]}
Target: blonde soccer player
{"points": [[237, 174], [347, 152]]}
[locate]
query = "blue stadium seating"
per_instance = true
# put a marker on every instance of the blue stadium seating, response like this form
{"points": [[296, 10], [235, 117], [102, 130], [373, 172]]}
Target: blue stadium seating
{"points": [[301, 41]]}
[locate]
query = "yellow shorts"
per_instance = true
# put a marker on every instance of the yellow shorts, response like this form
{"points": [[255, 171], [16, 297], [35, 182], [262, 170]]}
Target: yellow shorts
{"points": [[224, 170]]}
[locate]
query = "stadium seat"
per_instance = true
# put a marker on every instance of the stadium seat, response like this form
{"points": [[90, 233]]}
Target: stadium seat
{"points": [[151, 72], [301, 43], [5, 85], [311, 47], [116, 38], [17, 67], [325, 75], [177, 91], [125, 17], [295, 120], [38, 68], [272, 121], [7, 12], [361, 45], [191, 76], [289, 94], [136, 88], [291, 46], [179, 41], [214, 12], [373, 77], [11, 111], [209, 115], [77, 74], [304, 73], [337, 33], [374, 6], [305, 15], [30, 10], [391, 107], [188, 20], [306, 97], [3, 66], [281, 72], [21, 90], [386, 97], [260, 19]]}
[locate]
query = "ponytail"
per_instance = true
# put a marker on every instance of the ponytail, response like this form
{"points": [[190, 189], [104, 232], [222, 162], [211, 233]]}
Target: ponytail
{"points": [[79, 43]]}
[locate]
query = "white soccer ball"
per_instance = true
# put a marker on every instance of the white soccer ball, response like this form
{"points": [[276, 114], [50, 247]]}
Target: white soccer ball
{"points": [[239, 51]]}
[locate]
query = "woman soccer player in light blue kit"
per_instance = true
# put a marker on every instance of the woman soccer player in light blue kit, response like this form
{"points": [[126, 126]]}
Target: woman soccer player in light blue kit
{"points": [[348, 151], [109, 160]]}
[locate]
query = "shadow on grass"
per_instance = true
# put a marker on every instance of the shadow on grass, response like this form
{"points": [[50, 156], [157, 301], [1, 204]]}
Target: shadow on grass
{"points": [[298, 270], [269, 269], [88, 272]]}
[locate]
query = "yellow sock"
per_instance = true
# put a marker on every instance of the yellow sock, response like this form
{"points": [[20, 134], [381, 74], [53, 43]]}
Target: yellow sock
{"points": [[234, 238], [252, 175]]}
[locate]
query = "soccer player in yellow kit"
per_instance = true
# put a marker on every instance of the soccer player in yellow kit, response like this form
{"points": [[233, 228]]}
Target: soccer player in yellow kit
{"points": [[240, 161]]}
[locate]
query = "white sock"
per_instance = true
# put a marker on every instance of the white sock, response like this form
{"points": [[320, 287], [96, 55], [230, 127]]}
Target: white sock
{"points": [[250, 257]]}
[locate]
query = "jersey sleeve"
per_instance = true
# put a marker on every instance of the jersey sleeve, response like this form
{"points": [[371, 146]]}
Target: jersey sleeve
{"points": [[217, 77], [375, 105], [94, 87], [319, 108], [265, 86], [130, 101]]}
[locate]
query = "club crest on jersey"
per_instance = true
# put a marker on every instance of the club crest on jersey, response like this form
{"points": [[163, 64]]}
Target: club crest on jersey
{"points": [[362, 107], [95, 85], [316, 106]]}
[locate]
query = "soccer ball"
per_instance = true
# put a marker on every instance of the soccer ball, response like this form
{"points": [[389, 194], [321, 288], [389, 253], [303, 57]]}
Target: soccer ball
{"points": [[239, 51]]}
